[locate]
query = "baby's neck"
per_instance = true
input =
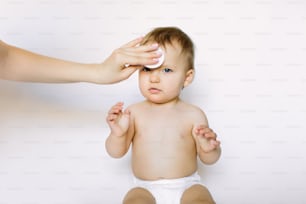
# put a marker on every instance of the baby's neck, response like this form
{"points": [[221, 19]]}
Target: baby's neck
{"points": [[166, 105]]}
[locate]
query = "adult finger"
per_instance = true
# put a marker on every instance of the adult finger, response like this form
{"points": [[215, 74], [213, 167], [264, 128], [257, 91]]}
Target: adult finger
{"points": [[133, 43]]}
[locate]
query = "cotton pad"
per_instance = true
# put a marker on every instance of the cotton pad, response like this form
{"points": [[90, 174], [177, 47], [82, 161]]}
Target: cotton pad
{"points": [[160, 60]]}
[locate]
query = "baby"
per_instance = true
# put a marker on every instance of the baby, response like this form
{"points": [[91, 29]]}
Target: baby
{"points": [[166, 133]]}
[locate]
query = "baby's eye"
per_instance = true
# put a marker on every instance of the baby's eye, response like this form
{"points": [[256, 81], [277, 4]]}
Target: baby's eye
{"points": [[167, 70], [146, 69]]}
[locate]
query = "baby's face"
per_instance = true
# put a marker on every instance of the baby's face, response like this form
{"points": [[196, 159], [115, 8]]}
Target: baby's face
{"points": [[163, 84]]}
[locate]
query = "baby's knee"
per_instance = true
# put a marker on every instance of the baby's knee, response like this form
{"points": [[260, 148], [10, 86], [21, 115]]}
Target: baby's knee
{"points": [[138, 196], [197, 194]]}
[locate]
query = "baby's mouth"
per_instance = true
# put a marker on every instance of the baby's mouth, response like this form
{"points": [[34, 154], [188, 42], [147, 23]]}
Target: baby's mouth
{"points": [[154, 90]]}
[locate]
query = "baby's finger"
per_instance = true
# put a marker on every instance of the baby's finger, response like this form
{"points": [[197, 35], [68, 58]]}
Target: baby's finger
{"points": [[215, 143], [127, 112], [210, 135], [116, 108], [198, 131], [207, 130], [110, 118]]}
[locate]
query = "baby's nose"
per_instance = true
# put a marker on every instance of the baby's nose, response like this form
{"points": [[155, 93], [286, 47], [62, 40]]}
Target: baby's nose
{"points": [[154, 76]]}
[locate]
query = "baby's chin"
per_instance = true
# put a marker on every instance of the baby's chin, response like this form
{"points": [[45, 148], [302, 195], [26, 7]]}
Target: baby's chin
{"points": [[159, 101]]}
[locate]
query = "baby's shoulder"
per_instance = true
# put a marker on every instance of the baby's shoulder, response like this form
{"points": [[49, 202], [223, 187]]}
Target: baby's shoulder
{"points": [[192, 107], [136, 106], [193, 111]]}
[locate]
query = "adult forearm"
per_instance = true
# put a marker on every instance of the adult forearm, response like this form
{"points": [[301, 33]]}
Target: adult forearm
{"points": [[21, 65]]}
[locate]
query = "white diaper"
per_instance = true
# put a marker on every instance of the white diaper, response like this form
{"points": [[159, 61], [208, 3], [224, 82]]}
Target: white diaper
{"points": [[168, 191]]}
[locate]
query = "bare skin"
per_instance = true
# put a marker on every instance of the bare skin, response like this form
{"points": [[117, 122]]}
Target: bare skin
{"points": [[166, 133], [22, 65], [163, 139], [139, 196], [197, 194]]}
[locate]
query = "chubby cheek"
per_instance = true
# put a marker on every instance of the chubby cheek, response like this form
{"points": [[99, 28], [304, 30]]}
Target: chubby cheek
{"points": [[143, 84], [142, 77], [175, 85], [174, 91]]}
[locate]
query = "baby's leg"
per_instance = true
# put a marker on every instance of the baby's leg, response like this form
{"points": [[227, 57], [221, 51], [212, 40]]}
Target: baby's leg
{"points": [[139, 196], [197, 194]]}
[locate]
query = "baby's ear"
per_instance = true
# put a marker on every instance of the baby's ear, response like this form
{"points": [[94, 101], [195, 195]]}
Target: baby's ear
{"points": [[189, 77]]}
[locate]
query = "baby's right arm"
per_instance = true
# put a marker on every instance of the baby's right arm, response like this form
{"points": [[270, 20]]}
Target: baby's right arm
{"points": [[118, 141]]}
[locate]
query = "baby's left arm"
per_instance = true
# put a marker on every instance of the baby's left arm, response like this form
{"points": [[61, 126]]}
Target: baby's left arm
{"points": [[208, 147]]}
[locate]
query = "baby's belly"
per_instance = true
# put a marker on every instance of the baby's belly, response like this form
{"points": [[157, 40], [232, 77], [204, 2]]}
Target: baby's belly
{"points": [[152, 163]]}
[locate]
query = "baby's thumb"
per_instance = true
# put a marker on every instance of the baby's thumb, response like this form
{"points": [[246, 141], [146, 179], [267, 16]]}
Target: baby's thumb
{"points": [[125, 118], [126, 114]]}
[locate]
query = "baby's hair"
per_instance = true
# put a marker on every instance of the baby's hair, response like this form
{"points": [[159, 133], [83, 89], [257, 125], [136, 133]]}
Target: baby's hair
{"points": [[167, 35]]}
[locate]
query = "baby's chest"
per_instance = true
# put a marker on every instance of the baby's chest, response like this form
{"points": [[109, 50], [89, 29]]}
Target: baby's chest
{"points": [[162, 119], [166, 127]]}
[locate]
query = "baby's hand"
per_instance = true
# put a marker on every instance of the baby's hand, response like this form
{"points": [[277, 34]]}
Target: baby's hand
{"points": [[118, 120], [206, 138]]}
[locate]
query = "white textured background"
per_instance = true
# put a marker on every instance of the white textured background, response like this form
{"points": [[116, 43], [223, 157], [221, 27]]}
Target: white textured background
{"points": [[251, 82]]}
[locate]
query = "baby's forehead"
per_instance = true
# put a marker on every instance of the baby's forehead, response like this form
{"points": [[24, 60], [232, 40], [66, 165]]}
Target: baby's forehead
{"points": [[173, 47]]}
